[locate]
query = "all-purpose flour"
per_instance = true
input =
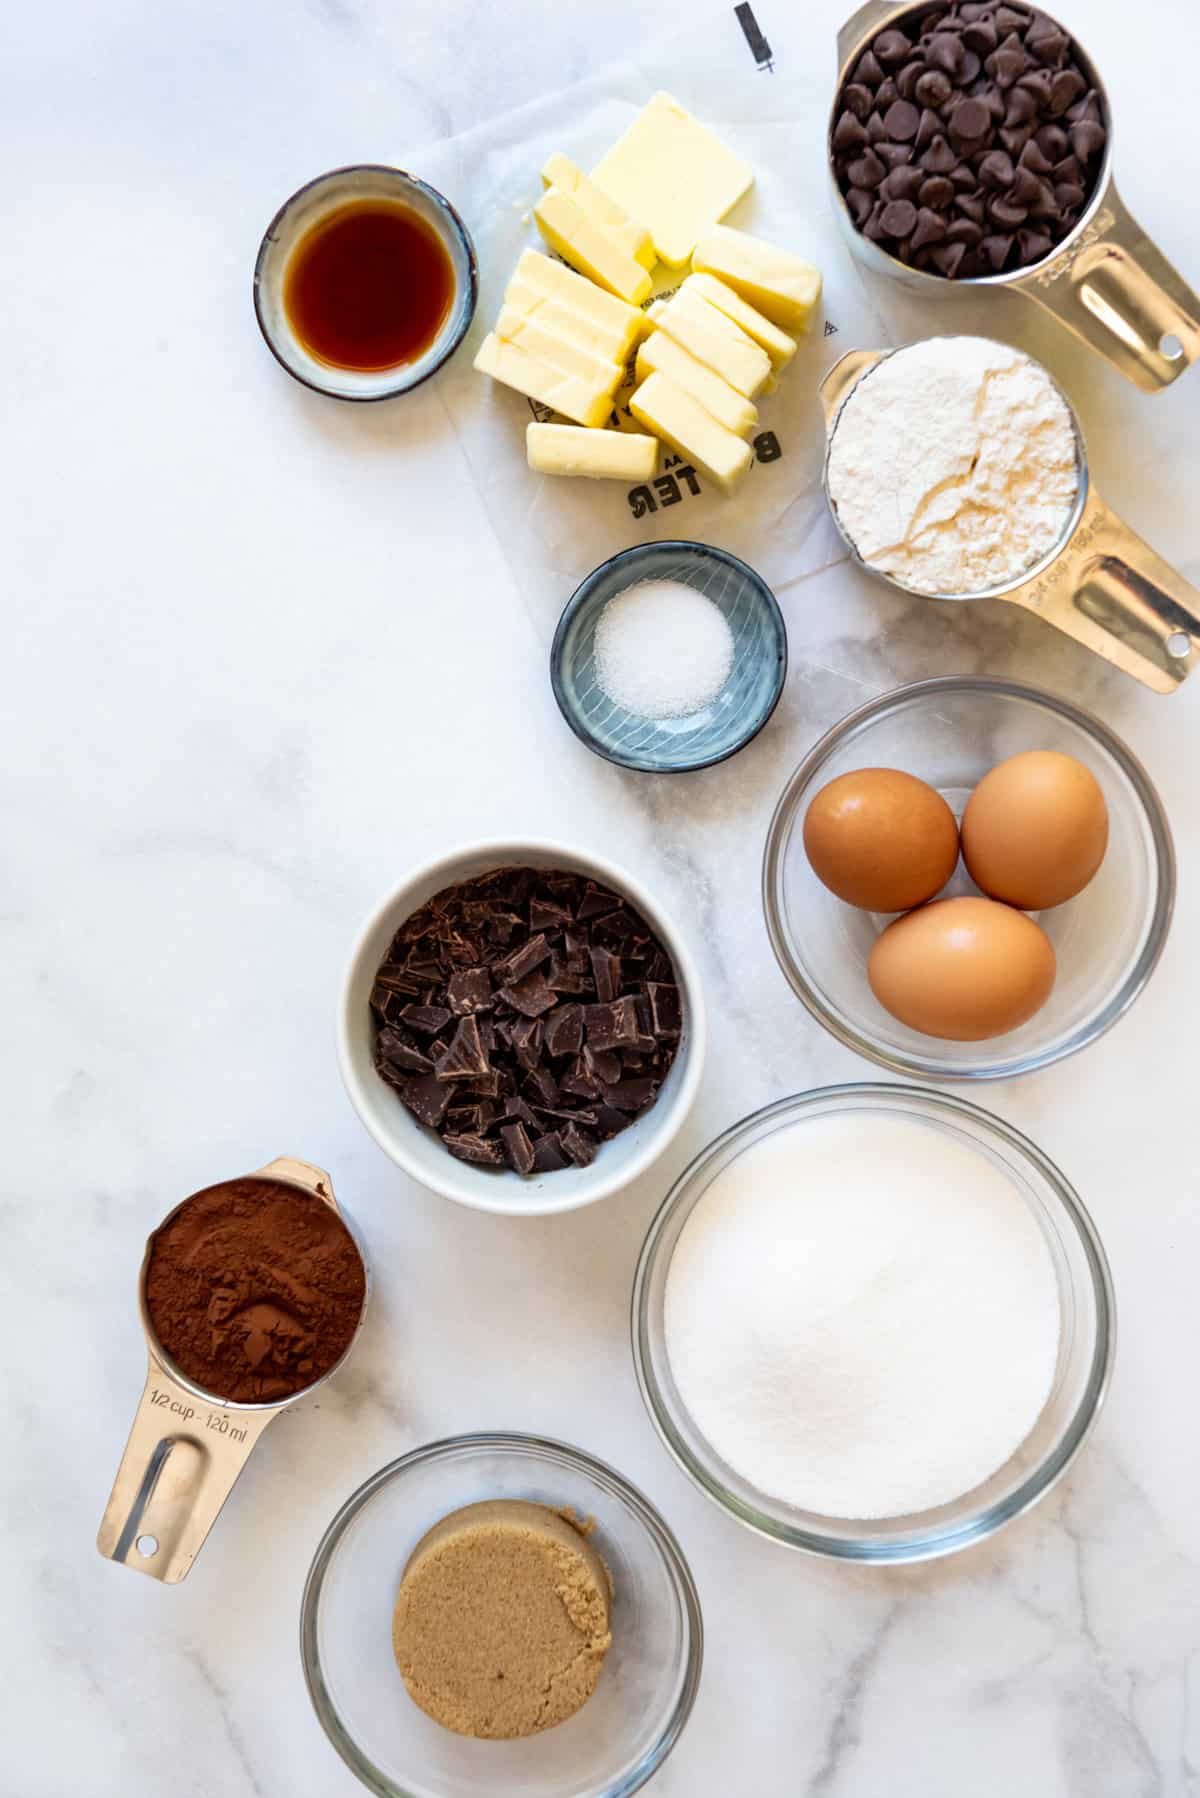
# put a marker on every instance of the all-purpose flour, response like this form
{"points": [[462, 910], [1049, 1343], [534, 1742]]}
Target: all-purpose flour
{"points": [[862, 1316], [953, 465]]}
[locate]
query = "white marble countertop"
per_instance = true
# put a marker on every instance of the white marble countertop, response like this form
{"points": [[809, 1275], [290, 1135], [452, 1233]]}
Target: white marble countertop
{"points": [[228, 606]]}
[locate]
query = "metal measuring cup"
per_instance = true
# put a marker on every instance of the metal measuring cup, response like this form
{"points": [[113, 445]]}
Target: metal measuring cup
{"points": [[1100, 583], [187, 1447], [1105, 281]]}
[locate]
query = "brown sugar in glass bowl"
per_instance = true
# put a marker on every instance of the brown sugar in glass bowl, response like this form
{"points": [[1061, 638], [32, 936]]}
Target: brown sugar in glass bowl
{"points": [[254, 1289]]}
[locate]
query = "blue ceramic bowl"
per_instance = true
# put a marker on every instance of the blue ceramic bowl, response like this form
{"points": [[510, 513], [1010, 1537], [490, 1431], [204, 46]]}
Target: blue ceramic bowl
{"points": [[719, 729], [291, 224]]}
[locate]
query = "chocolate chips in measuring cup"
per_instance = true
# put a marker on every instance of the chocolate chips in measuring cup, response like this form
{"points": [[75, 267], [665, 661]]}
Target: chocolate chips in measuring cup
{"points": [[969, 142], [527, 1016]]}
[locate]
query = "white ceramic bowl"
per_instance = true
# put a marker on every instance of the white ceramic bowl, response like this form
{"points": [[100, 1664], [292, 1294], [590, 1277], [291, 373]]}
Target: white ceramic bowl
{"points": [[417, 1149]]}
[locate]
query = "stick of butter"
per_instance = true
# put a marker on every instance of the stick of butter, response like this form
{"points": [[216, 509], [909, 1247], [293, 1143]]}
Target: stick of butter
{"points": [[784, 287], [778, 345], [560, 352], [712, 338], [599, 455], [588, 247], [559, 171], [694, 433], [661, 354], [540, 380], [565, 321], [671, 174], [569, 289]]}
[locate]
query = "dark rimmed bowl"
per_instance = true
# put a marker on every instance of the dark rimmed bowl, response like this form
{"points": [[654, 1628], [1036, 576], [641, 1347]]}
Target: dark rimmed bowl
{"points": [[700, 739], [296, 217]]}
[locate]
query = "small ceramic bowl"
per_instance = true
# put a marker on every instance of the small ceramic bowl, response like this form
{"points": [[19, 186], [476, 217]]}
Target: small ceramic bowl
{"points": [[949, 732], [1087, 1335], [295, 218], [416, 1148], [647, 1686], [728, 722]]}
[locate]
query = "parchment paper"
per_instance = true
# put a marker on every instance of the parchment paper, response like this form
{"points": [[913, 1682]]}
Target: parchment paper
{"points": [[553, 531]]}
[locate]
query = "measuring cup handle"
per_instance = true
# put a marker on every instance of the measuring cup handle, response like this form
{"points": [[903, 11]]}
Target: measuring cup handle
{"points": [[301, 1173], [1110, 590], [1116, 290], [181, 1461]]}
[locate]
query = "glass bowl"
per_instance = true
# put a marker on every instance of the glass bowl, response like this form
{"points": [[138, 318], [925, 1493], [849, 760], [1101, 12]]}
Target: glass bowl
{"points": [[699, 739], [949, 732], [1085, 1353], [648, 1684]]}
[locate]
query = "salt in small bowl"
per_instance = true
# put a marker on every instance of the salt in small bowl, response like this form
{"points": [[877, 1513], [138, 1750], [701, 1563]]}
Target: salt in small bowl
{"points": [[698, 739]]}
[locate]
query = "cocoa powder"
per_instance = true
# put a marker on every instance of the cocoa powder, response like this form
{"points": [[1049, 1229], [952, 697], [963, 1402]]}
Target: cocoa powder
{"points": [[254, 1288]]}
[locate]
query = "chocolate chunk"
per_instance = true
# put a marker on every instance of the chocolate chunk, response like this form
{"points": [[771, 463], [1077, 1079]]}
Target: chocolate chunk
{"points": [[562, 1033], [465, 1056], [426, 1019], [479, 1149], [395, 1048], [901, 119], [936, 191], [548, 1157], [542, 1087], [427, 1098], [578, 1144], [606, 972], [594, 903], [604, 1064], [891, 49], [469, 990], [522, 960], [548, 914], [631, 1095], [561, 979], [666, 1009], [611, 1026], [518, 1147], [525, 1040], [578, 1081], [898, 218], [849, 133], [531, 996], [933, 88]]}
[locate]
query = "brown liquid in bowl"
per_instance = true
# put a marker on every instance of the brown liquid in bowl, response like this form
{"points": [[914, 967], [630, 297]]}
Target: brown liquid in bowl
{"points": [[369, 286]]}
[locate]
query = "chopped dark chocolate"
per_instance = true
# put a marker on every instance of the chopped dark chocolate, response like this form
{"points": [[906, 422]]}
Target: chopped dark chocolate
{"points": [[531, 1014]]}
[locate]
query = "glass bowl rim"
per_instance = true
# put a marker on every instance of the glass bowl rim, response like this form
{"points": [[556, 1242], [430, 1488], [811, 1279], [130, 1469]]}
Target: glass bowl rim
{"points": [[945, 1540], [897, 1061], [686, 548], [537, 1447]]}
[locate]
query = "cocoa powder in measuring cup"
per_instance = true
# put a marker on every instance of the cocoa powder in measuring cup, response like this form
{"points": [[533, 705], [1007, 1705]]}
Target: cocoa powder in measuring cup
{"points": [[254, 1289]]}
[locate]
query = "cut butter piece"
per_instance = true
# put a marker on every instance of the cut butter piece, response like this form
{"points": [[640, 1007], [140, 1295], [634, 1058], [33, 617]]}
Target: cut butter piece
{"points": [[540, 380], [660, 354], [561, 352], [778, 345], [586, 245], [693, 432], [559, 171], [599, 455], [569, 289], [714, 339], [603, 340], [784, 287], [671, 174]]}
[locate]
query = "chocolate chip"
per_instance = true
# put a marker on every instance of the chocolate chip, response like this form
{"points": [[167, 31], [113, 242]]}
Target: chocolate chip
{"points": [[971, 66], [907, 79], [1047, 41], [947, 259], [1021, 108], [980, 35], [1026, 188], [857, 99], [1037, 82], [903, 184], [1033, 157], [894, 156], [1015, 140], [972, 206], [964, 231], [969, 121], [946, 53], [996, 249], [861, 204], [891, 48], [996, 170], [898, 218], [867, 170], [939, 158], [1011, 18], [1066, 196], [1033, 245], [962, 179], [1053, 142], [930, 228], [868, 71], [902, 119], [929, 128], [936, 192], [1007, 64], [849, 133], [933, 88], [876, 129], [886, 94], [1087, 139], [1066, 87], [1006, 212]]}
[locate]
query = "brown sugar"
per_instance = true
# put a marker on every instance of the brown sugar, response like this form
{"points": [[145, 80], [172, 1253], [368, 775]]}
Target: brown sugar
{"points": [[502, 1619], [254, 1288]]}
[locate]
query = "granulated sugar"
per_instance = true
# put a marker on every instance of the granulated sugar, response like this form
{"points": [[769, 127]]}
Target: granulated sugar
{"points": [[862, 1316], [662, 649]]}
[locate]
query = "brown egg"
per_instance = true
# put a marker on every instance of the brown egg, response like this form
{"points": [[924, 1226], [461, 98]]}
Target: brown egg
{"points": [[1035, 829], [881, 839], [962, 969]]}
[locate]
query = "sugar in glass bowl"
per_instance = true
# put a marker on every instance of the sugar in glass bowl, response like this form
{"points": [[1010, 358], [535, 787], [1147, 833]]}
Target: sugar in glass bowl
{"points": [[1087, 1335], [949, 732], [648, 1683]]}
